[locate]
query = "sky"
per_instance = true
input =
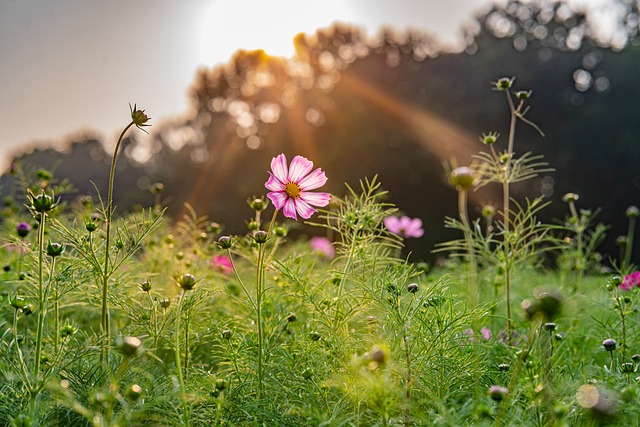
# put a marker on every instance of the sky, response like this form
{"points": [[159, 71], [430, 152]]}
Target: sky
{"points": [[68, 66]]}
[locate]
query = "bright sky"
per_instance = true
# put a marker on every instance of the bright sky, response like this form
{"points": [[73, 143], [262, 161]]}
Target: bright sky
{"points": [[73, 65]]}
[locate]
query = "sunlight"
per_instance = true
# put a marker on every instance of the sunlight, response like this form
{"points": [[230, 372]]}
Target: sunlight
{"points": [[228, 26]]}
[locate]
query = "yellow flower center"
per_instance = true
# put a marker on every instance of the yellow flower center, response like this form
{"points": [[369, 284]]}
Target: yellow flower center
{"points": [[292, 189]]}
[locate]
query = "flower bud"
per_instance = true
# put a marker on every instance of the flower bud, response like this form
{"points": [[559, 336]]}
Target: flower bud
{"points": [[489, 138], [504, 83], [186, 281], [67, 330], [621, 241], [18, 302], [523, 94], [55, 249], [627, 367], [258, 204], [165, 303], [497, 393], [462, 178], [145, 286], [291, 317], [23, 229], [138, 117], [609, 344], [91, 224], [280, 231], [129, 346], [570, 198], [226, 242], [41, 203], [214, 228], [549, 326], [616, 280], [156, 188], [226, 334], [488, 211], [260, 237], [412, 288], [504, 367], [315, 336], [253, 225], [633, 212]]}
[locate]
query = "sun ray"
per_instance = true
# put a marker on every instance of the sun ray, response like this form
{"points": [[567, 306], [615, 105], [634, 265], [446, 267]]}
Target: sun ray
{"points": [[439, 136]]}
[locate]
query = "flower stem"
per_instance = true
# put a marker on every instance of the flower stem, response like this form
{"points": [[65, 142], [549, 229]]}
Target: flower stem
{"points": [[106, 274], [183, 393], [41, 313], [471, 258], [260, 290]]}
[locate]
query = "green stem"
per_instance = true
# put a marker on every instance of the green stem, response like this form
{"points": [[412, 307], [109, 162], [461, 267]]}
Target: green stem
{"points": [[260, 291], [23, 365], [183, 392], [407, 409], [471, 258], [106, 274], [56, 308], [41, 312], [506, 207]]}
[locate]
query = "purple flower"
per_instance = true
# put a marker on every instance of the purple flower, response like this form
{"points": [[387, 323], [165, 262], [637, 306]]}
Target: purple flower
{"points": [[290, 187], [23, 229], [630, 281], [404, 226], [323, 246]]}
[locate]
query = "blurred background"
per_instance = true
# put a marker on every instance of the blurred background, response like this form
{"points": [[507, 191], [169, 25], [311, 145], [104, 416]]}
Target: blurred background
{"points": [[362, 88]]}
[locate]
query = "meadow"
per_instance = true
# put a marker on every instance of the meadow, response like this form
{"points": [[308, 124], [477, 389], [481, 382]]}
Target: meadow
{"points": [[113, 318]]}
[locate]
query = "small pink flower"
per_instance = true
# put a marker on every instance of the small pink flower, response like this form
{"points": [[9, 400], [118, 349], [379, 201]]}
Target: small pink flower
{"points": [[323, 246], [221, 264], [290, 187], [630, 281], [404, 226], [486, 333]]}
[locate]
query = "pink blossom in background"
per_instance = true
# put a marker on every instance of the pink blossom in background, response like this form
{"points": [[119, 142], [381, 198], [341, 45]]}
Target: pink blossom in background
{"points": [[290, 187], [630, 281], [221, 264], [323, 246], [486, 333], [404, 226]]}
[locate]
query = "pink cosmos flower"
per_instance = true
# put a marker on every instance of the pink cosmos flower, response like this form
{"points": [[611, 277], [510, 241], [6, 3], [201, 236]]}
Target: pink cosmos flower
{"points": [[290, 187], [404, 226], [222, 264], [630, 281], [323, 246]]}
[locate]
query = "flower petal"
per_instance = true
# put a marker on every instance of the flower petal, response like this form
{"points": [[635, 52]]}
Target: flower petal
{"points": [[414, 228], [289, 209], [304, 209], [274, 183], [314, 180], [279, 167], [278, 198], [392, 223], [316, 199], [300, 166]]}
